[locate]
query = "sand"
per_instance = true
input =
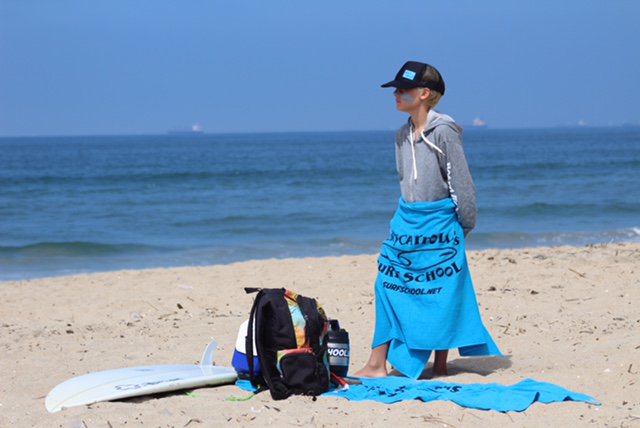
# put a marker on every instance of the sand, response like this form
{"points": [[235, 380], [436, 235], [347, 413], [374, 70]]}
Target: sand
{"points": [[567, 315]]}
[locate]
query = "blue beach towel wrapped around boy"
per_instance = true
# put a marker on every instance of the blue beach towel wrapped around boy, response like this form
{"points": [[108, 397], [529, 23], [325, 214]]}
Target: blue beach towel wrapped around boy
{"points": [[424, 294], [425, 302]]}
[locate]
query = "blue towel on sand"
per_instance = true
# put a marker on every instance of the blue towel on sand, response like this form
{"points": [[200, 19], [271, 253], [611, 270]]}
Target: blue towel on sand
{"points": [[489, 396], [424, 295]]}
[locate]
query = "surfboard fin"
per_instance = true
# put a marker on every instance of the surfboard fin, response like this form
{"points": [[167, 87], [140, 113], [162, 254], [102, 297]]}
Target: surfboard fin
{"points": [[207, 357]]}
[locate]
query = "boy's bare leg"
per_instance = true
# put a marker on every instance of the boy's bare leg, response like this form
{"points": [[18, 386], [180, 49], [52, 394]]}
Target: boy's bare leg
{"points": [[440, 363], [377, 364]]}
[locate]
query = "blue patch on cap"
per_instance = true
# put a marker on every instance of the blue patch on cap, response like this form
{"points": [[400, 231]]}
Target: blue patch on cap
{"points": [[408, 74]]}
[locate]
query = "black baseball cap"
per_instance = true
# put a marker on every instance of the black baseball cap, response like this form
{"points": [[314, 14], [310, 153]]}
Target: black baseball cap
{"points": [[412, 75]]}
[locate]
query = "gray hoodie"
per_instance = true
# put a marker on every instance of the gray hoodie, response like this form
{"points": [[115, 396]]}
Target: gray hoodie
{"points": [[434, 167]]}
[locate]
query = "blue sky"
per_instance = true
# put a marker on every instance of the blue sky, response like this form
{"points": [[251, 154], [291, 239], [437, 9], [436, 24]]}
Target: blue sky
{"points": [[146, 66]]}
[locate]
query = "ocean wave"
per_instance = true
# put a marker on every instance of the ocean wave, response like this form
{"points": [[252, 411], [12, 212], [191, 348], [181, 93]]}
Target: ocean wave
{"points": [[223, 175], [549, 208], [76, 248], [528, 168], [483, 240]]}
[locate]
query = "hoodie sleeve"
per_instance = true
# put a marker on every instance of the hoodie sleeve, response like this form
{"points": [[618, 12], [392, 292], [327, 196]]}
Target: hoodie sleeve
{"points": [[456, 171]]}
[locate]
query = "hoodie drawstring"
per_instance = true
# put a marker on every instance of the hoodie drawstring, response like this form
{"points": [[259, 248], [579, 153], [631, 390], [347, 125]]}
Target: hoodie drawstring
{"points": [[413, 150], [413, 154], [430, 144]]}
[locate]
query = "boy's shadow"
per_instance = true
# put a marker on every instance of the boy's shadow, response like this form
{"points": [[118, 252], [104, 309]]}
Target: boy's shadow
{"points": [[480, 366]]}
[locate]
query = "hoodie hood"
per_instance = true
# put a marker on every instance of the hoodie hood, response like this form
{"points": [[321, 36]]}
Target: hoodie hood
{"points": [[436, 119]]}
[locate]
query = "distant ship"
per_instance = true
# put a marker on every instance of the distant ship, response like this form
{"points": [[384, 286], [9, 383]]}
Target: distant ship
{"points": [[478, 123], [196, 129]]}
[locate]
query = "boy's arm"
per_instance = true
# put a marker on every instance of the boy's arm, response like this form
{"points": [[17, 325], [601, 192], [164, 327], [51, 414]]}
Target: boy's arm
{"points": [[456, 171]]}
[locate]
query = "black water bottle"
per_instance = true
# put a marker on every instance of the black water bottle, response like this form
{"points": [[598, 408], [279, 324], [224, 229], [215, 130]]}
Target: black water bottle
{"points": [[338, 348]]}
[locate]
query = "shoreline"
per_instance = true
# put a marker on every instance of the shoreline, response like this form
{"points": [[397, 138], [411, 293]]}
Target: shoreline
{"points": [[566, 315], [474, 249]]}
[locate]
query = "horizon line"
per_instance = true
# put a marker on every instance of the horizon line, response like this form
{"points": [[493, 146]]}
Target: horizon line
{"points": [[466, 127]]}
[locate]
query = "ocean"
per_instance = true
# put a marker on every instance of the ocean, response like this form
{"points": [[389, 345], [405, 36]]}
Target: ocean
{"points": [[98, 203]]}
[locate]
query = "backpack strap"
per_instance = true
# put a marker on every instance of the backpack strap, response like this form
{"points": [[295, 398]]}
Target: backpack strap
{"points": [[272, 308], [249, 337], [264, 381]]}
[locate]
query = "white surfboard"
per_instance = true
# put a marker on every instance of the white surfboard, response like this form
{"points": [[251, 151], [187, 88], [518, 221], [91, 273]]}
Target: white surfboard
{"points": [[135, 381]]}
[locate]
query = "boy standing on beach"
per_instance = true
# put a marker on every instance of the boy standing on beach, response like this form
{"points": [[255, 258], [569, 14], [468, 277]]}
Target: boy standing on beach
{"points": [[424, 295]]}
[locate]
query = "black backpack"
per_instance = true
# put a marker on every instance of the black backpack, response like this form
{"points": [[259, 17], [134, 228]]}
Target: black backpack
{"points": [[290, 337]]}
